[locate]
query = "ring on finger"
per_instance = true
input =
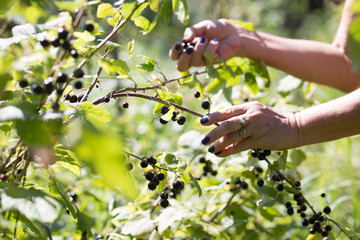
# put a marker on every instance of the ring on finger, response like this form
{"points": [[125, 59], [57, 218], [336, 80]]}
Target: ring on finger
{"points": [[241, 134], [242, 122]]}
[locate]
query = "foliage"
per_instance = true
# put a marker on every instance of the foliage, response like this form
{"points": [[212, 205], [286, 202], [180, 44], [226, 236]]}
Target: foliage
{"points": [[65, 163]]}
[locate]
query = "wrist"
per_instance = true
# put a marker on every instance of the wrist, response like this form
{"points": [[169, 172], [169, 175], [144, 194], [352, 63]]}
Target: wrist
{"points": [[294, 120]]}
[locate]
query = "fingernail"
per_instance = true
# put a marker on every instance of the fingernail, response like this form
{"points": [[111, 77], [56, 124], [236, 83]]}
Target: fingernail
{"points": [[189, 50], [211, 149], [202, 39], [204, 120], [177, 47], [214, 40], [186, 36], [205, 140], [218, 153]]}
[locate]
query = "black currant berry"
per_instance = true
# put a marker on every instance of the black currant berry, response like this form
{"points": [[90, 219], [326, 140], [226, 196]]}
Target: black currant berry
{"points": [[290, 211], [297, 184], [62, 33], [205, 104], [312, 220], [89, 27], [129, 166], [317, 226], [181, 120], [37, 89], [177, 185], [214, 172], [259, 169], [288, 204], [156, 180], [267, 152], [59, 91], [125, 105], [206, 168], [202, 160], [78, 73], [297, 197], [303, 215], [280, 187], [48, 85], [74, 53], [261, 156], [55, 42], [44, 43], [106, 99], [55, 106], [254, 154], [73, 196], [73, 99], [162, 121], [164, 195], [164, 109], [66, 45], [143, 164], [328, 228], [197, 94], [78, 85], [244, 185], [324, 233], [303, 208], [23, 83], [161, 176], [300, 202], [152, 185], [61, 77], [164, 203], [323, 195], [198, 177], [305, 222], [312, 231], [80, 97], [174, 115], [327, 210], [151, 160], [275, 178], [260, 182], [321, 219], [149, 175]]}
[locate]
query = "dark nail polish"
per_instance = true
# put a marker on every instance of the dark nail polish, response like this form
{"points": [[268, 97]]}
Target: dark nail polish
{"points": [[202, 39], [177, 47], [214, 40], [205, 140], [189, 50], [204, 120], [218, 153], [211, 149]]}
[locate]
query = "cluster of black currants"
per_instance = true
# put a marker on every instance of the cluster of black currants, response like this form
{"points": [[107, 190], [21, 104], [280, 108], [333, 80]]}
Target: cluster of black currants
{"points": [[175, 116], [208, 167], [187, 47], [237, 184], [260, 154]]}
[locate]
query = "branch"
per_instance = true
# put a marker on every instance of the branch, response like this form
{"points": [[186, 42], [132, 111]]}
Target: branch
{"points": [[224, 206]]}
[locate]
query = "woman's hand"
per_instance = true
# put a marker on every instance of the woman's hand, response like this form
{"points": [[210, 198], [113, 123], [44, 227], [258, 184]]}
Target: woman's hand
{"points": [[219, 39], [250, 126]]}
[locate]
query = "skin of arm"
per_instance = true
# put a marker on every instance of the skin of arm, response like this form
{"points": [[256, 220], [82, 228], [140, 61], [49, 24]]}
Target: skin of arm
{"points": [[308, 60]]}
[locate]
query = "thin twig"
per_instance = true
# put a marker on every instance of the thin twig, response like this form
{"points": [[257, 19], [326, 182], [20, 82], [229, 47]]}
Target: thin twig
{"points": [[225, 205]]}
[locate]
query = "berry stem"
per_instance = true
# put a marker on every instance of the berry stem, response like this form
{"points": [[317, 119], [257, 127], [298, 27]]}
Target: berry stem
{"points": [[144, 159], [343, 229]]}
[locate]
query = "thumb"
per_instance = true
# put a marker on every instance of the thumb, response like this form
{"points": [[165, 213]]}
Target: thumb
{"points": [[197, 30]]}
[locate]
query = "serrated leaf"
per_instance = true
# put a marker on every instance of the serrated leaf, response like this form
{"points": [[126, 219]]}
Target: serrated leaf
{"points": [[104, 10], [94, 117], [173, 162], [196, 184], [112, 66], [68, 160]]}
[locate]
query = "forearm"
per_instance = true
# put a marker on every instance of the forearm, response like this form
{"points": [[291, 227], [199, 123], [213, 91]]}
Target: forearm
{"points": [[308, 60], [329, 121]]}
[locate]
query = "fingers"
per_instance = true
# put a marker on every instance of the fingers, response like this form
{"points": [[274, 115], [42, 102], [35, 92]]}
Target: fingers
{"points": [[175, 51], [223, 115], [235, 148], [231, 126], [210, 52]]}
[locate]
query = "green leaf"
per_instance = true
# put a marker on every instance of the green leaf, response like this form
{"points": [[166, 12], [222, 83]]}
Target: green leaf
{"points": [[162, 183], [297, 156], [68, 160], [103, 152], [248, 174], [163, 11], [11, 113], [251, 83], [34, 204], [154, 5], [185, 177], [104, 10], [131, 46], [212, 72], [94, 117], [167, 117], [199, 86], [181, 11], [142, 22], [173, 162], [138, 224], [112, 66], [35, 132], [84, 36], [196, 184], [266, 202], [291, 190], [146, 66]]}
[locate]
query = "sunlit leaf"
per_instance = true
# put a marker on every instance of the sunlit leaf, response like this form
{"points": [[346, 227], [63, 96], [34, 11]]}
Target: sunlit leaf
{"points": [[112, 66], [104, 10]]}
